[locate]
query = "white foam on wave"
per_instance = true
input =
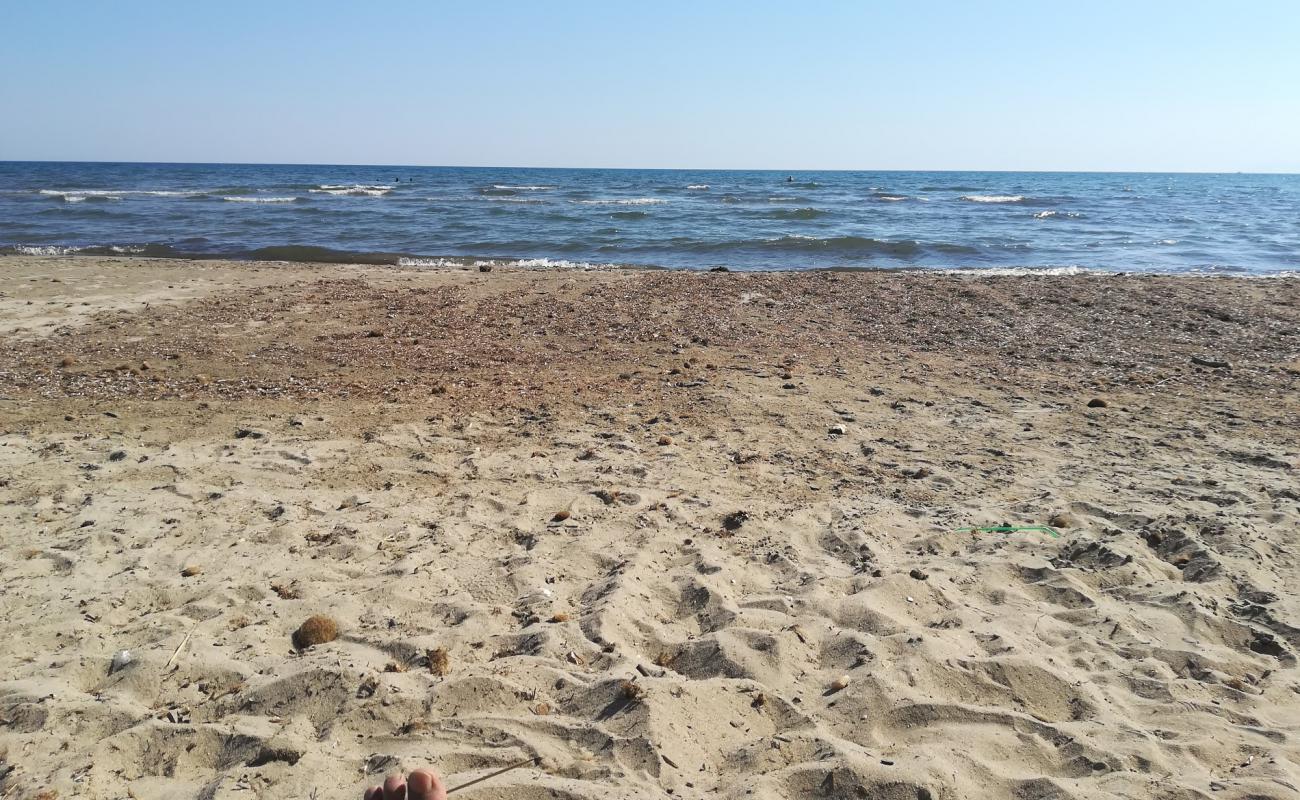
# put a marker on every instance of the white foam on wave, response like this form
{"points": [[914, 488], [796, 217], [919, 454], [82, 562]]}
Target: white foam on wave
{"points": [[993, 198], [632, 201], [698, 186], [1018, 271], [530, 263], [116, 193], [354, 190], [514, 199], [522, 188], [44, 250], [238, 199], [79, 197], [890, 198], [62, 250], [1050, 214]]}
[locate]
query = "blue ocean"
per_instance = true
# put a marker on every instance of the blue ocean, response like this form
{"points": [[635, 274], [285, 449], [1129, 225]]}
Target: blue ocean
{"points": [[688, 219]]}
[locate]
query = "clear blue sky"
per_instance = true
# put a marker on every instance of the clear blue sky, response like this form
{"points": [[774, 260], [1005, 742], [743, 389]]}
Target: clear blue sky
{"points": [[915, 84]]}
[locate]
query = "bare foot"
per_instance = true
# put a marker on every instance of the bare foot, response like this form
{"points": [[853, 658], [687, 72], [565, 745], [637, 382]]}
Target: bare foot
{"points": [[422, 784]]}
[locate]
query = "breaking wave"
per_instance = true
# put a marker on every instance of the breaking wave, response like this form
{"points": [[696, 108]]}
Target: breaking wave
{"points": [[1019, 271], [530, 263], [797, 213], [993, 198], [632, 201], [355, 190], [1050, 214]]}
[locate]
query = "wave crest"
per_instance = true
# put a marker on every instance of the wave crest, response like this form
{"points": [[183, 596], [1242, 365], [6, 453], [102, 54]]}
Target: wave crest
{"points": [[630, 201], [355, 190], [238, 199], [797, 213], [529, 263]]}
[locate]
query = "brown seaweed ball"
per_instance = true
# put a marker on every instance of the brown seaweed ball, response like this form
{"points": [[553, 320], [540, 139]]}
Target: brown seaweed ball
{"points": [[439, 661], [630, 691], [316, 630]]}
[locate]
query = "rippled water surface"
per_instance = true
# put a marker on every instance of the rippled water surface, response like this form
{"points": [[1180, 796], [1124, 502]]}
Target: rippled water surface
{"points": [[670, 218]]}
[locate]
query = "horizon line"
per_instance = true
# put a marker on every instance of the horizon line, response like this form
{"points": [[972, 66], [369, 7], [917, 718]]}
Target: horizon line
{"points": [[641, 169]]}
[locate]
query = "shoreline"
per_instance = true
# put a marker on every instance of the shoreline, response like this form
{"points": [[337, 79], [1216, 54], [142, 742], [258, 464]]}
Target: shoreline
{"points": [[669, 531], [323, 256]]}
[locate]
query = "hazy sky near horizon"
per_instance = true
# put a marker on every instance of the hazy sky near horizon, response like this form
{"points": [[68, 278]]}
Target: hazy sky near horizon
{"points": [[1149, 86]]}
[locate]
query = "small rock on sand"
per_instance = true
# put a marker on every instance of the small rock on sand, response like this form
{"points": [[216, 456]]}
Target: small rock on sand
{"points": [[734, 520], [1097, 402]]}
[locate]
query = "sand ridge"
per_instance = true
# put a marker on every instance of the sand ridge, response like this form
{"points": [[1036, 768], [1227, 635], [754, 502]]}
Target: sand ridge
{"points": [[678, 535]]}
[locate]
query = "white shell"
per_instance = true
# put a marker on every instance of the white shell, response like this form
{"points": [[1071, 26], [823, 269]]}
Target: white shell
{"points": [[120, 659]]}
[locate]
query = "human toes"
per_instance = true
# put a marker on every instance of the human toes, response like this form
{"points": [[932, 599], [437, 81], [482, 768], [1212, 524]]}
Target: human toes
{"points": [[394, 788], [424, 784]]}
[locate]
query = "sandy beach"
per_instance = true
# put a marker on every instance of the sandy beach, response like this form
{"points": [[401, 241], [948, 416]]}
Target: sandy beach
{"points": [[672, 534]]}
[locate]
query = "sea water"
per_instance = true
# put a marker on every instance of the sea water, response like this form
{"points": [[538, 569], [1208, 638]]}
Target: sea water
{"points": [[690, 219]]}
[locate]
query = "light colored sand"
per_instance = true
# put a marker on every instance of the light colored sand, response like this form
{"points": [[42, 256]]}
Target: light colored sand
{"points": [[1147, 653]]}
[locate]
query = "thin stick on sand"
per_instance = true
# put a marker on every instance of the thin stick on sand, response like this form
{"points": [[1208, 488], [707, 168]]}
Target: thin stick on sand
{"points": [[178, 649], [501, 771]]}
